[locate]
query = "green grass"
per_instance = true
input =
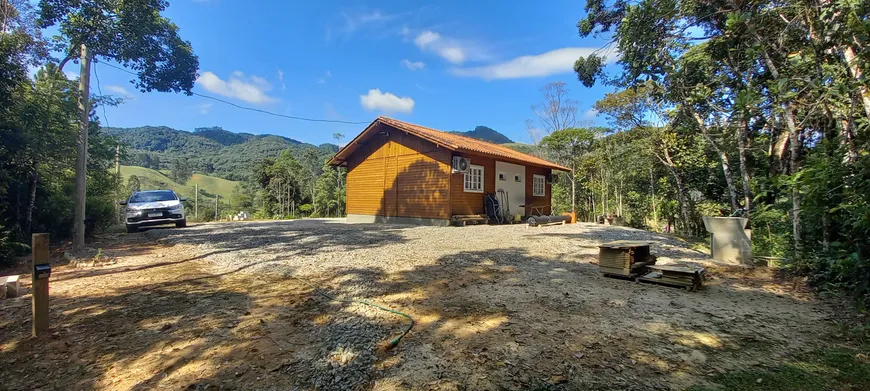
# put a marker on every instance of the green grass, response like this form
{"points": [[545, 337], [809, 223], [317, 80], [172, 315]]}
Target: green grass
{"points": [[153, 179], [827, 369]]}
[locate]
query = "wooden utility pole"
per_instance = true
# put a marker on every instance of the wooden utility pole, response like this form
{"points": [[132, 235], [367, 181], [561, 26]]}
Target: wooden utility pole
{"points": [[196, 201], [39, 247], [118, 178], [82, 155], [216, 198]]}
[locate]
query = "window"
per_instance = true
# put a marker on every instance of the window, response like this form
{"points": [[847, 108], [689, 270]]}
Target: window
{"points": [[518, 179], [539, 185], [501, 177], [474, 179]]}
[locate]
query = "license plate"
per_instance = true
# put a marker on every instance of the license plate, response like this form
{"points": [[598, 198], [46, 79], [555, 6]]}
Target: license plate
{"points": [[155, 214]]}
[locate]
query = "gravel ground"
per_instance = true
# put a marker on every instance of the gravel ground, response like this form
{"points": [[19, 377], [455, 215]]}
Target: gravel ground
{"points": [[325, 246], [508, 307]]}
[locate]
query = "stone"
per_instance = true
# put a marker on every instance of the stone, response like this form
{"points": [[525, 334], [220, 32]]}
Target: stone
{"points": [[11, 286]]}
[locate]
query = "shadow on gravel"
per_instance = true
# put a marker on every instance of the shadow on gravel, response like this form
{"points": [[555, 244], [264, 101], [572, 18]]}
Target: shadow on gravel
{"points": [[496, 319], [299, 237]]}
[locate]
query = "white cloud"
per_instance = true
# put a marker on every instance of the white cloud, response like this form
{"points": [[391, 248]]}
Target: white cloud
{"points": [[348, 22], [550, 63], [281, 79], [71, 75], [204, 108], [385, 101], [119, 90], [413, 65], [251, 89], [452, 50], [590, 114]]}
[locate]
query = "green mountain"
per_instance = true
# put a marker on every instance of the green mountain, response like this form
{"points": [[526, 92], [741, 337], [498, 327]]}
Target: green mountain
{"points": [[486, 133], [213, 151]]}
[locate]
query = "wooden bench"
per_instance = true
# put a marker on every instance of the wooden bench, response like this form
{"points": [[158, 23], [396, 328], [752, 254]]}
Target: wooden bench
{"points": [[463, 220]]}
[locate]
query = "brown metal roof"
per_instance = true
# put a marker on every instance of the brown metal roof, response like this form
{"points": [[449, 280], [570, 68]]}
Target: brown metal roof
{"points": [[451, 141]]}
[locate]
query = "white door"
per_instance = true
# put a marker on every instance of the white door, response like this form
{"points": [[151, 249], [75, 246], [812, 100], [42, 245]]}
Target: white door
{"points": [[512, 179]]}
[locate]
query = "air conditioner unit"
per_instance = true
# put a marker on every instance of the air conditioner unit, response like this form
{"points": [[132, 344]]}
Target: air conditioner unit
{"points": [[460, 164], [552, 178]]}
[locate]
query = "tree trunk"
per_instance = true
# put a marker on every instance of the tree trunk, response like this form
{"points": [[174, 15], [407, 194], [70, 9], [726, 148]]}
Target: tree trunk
{"points": [[742, 141], [723, 159], [573, 192], [82, 153], [857, 72], [652, 187], [31, 201], [794, 166]]}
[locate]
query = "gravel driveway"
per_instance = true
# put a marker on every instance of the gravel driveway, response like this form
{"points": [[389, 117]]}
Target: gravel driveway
{"points": [[505, 307]]}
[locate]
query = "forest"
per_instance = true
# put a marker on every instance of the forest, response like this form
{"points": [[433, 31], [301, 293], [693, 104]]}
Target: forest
{"points": [[719, 108]]}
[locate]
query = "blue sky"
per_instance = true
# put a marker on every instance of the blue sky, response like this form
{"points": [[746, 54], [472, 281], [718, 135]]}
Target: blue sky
{"points": [[451, 65]]}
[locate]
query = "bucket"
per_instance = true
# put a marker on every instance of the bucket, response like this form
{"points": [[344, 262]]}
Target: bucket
{"points": [[572, 215]]}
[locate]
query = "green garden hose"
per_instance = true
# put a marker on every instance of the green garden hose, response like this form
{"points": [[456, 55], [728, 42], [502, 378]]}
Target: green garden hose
{"points": [[394, 341]]}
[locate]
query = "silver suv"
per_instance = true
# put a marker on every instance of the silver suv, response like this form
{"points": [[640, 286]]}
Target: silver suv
{"points": [[154, 207]]}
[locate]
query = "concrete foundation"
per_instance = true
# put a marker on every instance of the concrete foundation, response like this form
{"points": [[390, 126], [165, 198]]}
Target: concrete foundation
{"points": [[363, 219]]}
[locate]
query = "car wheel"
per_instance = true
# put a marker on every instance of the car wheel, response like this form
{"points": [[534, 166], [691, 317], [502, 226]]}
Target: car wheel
{"points": [[181, 224], [131, 229]]}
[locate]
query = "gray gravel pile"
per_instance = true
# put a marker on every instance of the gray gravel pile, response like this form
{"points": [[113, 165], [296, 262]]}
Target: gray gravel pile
{"points": [[342, 356]]}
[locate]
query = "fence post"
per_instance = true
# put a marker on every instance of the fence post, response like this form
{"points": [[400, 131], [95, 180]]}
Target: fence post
{"points": [[40, 273]]}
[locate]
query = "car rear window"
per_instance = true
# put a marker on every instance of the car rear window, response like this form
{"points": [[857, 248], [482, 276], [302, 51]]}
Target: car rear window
{"points": [[153, 196]]}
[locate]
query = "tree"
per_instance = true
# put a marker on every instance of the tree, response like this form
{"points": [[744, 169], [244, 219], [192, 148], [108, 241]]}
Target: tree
{"points": [[132, 33], [568, 145], [133, 184], [558, 111], [181, 171]]}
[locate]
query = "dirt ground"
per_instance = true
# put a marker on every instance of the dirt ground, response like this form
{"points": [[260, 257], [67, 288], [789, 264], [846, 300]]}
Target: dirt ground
{"points": [[232, 307]]}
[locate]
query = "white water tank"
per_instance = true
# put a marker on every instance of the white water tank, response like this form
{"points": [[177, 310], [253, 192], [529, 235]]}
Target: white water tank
{"points": [[730, 241]]}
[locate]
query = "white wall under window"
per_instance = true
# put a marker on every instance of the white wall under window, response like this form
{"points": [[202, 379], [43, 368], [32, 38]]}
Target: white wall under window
{"points": [[474, 179], [539, 185]]}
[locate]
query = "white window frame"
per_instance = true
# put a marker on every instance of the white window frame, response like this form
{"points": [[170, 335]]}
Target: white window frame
{"points": [[468, 181], [536, 181]]}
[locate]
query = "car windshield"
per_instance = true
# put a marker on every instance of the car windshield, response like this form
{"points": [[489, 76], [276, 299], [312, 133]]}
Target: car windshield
{"points": [[153, 196]]}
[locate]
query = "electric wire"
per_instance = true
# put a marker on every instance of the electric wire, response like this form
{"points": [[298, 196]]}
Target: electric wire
{"points": [[336, 121]]}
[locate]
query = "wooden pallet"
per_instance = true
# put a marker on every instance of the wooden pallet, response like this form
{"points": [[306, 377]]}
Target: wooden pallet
{"points": [[624, 258], [684, 276], [463, 220]]}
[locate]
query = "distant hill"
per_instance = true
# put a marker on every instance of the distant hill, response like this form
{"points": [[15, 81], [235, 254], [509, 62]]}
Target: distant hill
{"points": [[524, 148], [214, 151], [486, 133], [154, 180]]}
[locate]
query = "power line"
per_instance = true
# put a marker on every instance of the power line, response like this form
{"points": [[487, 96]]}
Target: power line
{"points": [[100, 90], [255, 109]]}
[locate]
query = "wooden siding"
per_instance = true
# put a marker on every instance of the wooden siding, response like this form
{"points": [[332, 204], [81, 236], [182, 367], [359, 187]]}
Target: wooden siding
{"points": [[530, 198], [399, 176], [466, 203]]}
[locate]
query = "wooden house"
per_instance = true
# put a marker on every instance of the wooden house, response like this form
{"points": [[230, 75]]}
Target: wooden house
{"points": [[405, 173]]}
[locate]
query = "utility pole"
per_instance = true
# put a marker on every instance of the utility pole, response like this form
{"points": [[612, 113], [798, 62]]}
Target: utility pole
{"points": [[118, 178], [196, 201], [82, 155], [216, 198]]}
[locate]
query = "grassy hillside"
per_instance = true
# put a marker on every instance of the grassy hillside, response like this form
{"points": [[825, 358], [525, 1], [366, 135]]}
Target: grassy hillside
{"points": [[153, 179], [524, 148]]}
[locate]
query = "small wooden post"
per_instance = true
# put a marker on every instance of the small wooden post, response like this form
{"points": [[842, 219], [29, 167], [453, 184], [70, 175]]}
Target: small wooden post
{"points": [[40, 285]]}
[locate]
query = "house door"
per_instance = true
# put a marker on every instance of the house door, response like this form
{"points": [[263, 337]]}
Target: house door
{"points": [[512, 179]]}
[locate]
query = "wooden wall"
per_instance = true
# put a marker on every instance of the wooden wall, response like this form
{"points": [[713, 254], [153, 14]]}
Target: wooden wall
{"points": [[530, 198], [399, 176], [464, 203]]}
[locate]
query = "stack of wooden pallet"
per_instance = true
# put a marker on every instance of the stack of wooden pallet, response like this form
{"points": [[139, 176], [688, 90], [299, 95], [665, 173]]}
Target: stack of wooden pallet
{"points": [[625, 258], [632, 259]]}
